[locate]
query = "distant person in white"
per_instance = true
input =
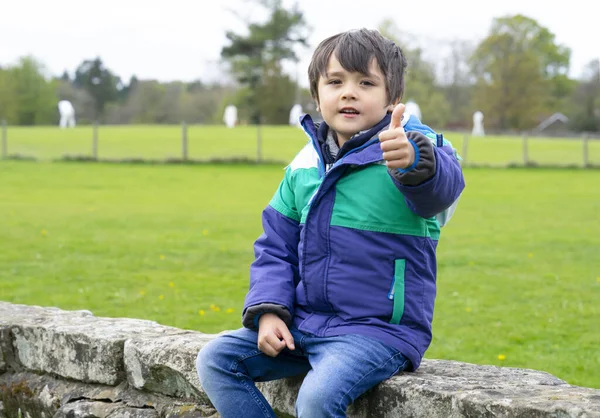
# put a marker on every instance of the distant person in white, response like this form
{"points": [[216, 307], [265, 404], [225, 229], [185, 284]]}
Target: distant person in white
{"points": [[295, 114], [230, 116], [478, 124], [412, 108], [67, 114]]}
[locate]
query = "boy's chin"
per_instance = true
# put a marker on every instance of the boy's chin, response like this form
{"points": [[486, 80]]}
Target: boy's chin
{"points": [[349, 133]]}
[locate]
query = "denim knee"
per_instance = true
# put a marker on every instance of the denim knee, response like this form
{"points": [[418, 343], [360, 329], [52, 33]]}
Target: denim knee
{"points": [[317, 401], [207, 362]]}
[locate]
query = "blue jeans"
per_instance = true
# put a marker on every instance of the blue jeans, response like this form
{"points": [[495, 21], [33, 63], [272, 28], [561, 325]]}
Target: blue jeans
{"points": [[340, 369]]}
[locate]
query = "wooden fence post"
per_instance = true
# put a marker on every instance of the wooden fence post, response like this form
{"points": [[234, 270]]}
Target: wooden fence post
{"points": [[586, 161], [525, 150], [95, 141], [184, 142], [259, 142], [465, 147], [4, 140]]}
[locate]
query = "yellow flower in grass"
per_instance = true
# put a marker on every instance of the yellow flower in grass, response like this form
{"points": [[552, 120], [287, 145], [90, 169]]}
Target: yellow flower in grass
{"points": [[229, 310], [44, 232], [201, 312], [215, 308], [205, 232], [142, 292], [171, 284], [467, 309], [530, 255], [161, 297], [162, 257], [598, 279], [501, 357]]}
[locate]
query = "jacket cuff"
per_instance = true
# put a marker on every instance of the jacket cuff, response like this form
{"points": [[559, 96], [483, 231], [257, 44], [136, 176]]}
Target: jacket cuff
{"points": [[253, 313], [424, 166]]}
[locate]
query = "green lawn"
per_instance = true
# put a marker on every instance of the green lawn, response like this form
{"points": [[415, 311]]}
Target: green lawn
{"points": [[278, 142], [519, 264]]}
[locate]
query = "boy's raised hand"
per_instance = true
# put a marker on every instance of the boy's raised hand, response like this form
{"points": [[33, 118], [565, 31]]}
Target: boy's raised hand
{"points": [[273, 335], [398, 152]]}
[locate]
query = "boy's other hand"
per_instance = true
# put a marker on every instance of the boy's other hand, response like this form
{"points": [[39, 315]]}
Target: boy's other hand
{"points": [[273, 335], [398, 152]]}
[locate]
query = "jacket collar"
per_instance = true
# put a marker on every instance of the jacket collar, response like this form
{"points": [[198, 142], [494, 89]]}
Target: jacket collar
{"points": [[319, 132]]}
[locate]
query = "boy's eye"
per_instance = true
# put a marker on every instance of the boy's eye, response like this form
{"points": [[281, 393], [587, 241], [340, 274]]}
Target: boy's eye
{"points": [[334, 82], [367, 83]]}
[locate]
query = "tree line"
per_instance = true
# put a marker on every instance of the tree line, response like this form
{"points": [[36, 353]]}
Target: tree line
{"points": [[517, 76], [27, 97]]}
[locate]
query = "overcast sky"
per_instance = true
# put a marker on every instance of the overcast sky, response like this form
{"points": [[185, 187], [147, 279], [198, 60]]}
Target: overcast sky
{"points": [[182, 39]]}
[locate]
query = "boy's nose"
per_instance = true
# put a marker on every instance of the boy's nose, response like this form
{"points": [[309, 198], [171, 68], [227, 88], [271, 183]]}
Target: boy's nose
{"points": [[348, 93]]}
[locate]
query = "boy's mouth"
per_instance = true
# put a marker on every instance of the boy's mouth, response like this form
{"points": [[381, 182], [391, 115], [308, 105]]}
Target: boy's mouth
{"points": [[349, 111]]}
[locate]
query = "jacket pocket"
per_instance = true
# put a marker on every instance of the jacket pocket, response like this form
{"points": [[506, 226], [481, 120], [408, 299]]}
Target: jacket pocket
{"points": [[397, 291]]}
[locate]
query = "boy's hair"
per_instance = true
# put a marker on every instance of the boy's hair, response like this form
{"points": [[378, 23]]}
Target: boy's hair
{"points": [[354, 50]]}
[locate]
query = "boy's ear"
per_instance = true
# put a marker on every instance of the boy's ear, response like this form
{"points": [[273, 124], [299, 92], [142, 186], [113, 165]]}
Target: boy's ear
{"points": [[317, 105]]}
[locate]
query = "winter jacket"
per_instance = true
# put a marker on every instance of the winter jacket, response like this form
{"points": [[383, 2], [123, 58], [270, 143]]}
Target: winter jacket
{"points": [[349, 247]]}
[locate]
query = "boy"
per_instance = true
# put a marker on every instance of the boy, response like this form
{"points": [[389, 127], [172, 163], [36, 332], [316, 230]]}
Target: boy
{"points": [[343, 284]]}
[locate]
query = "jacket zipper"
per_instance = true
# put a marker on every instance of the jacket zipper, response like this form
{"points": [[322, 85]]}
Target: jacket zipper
{"points": [[392, 289]]}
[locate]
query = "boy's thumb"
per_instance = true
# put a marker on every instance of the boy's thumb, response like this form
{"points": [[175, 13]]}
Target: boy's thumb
{"points": [[397, 114]]}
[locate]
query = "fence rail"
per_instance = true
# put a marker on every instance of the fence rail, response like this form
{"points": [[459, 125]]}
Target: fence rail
{"points": [[281, 143]]}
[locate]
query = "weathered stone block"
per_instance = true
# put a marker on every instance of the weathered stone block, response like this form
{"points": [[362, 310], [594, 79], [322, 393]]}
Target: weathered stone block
{"points": [[148, 371], [44, 397], [76, 345], [87, 409], [450, 389], [166, 365]]}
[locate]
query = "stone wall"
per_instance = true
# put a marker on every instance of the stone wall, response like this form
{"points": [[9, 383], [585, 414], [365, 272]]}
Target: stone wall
{"points": [[55, 363]]}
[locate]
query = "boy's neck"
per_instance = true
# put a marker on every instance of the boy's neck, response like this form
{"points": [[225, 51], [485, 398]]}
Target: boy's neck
{"points": [[335, 146], [339, 139]]}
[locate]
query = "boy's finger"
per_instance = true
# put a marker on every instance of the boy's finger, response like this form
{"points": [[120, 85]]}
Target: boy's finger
{"points": [[390, 134], [394, 155], [397, 114], [263, 346], [397, 143], [273, 345], [400, 163], [268, 350], [274, 341], [287, 338]]}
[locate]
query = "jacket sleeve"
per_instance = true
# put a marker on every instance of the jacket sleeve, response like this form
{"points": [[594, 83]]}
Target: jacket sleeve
{"points": [[274, 272], [432, 186]]}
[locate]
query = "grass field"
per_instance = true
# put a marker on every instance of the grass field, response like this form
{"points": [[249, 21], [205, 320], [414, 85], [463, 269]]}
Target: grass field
{"points": [[278, 142], [519, 264]]}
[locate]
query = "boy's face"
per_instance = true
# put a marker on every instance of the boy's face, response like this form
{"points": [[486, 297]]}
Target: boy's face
{"points": [[351, 102]]}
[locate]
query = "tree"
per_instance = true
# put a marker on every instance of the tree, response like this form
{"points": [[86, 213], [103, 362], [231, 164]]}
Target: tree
{"points": [[585, 115], [206, 105], [99, 82], [458, 83], [277, 97], [8, 109], [126, 90], [26, 96], [144, 104], [258, 57], [420, 80], [518, 68], [82, 101]]}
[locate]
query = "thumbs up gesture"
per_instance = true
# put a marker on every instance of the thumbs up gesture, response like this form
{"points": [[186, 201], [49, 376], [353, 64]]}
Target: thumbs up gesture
{"points": [[398, 152]]}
